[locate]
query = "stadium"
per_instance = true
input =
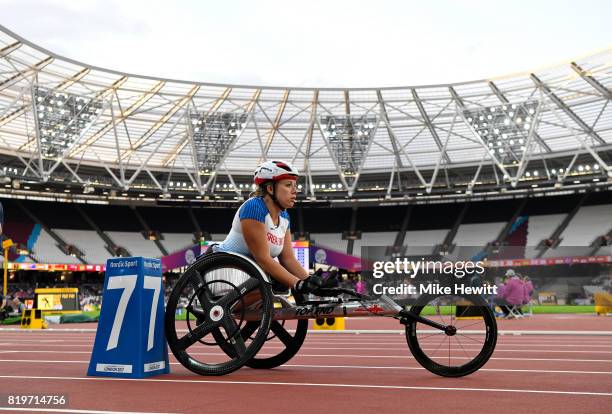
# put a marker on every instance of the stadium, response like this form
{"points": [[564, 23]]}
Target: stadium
{"points": [[516, 171]]}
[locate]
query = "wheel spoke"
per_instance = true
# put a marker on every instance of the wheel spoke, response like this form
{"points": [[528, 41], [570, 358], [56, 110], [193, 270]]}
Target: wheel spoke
{"points": [[439, 346], [236, 340], [465, 309], [472, 324], [201, 289], [281, 333], [438, 312], [471, 339], [192, 337], [241, 290], [461, 345], [248, 330], [433, 334], [198, 312]]}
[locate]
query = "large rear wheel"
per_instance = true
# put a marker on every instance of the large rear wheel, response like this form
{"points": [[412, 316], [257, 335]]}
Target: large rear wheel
{"points": [[212, 293], [284, 339]]}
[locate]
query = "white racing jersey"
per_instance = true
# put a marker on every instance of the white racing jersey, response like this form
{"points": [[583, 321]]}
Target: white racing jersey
{"points": [[255, 208]]}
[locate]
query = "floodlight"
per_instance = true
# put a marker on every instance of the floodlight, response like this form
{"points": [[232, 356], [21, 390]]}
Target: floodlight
{"points": [[214, 136], [349, 138]]}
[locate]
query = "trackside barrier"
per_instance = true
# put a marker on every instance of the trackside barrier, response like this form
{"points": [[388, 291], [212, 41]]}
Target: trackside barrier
{"points": [[603, 303], [130, 340], [32, 319], [329, 324]]}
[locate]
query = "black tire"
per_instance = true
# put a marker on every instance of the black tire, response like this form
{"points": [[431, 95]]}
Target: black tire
{"points": [[214, 317], [468, 349], [292, 342]]}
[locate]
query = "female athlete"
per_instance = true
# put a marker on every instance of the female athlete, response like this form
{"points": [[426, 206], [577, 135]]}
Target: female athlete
{"points": [[261, 227]]}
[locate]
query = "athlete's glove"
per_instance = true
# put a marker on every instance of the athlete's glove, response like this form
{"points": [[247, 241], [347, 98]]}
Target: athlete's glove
{"points": [[309, 285]]}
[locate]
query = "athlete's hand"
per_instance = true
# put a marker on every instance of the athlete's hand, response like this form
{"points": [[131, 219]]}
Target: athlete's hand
{"points": [[309, 285]]}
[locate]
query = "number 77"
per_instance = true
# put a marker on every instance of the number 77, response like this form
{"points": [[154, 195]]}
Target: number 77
{"points": [[128, 283]]}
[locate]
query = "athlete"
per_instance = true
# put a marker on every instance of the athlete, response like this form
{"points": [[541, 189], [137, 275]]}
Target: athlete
{"points": [[261, 227]]}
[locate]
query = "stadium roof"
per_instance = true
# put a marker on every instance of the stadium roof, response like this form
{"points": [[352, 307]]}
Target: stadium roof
{"points": [[62, 119]]}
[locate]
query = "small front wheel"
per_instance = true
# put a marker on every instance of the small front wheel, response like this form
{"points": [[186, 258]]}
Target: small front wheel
{"points": [[464, 346]]}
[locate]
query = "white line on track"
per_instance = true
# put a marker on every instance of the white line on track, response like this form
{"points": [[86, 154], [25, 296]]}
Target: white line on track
{"points": [[66, 410], [338, 348], [540, 371], [309, 384], [307, 344], [340, 334], [377, 332], [341, 356]]}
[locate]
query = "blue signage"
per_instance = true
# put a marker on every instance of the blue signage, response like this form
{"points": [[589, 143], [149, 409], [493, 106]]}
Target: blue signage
{"points": [[130, 340]]}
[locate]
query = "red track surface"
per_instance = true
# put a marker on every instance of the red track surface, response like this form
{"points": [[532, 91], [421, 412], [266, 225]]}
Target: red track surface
{"points": [[338, 373]]}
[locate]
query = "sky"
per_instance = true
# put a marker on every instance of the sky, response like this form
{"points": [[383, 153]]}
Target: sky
{"points": [[312, 43]]}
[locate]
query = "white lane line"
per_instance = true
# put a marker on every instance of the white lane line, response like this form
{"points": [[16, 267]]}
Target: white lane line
{"points": [[349, 356], [307, 344], [310, 384], [66, 410], [363, 339], [338, 336], [540, 371], [337, 348], [356, 331]]}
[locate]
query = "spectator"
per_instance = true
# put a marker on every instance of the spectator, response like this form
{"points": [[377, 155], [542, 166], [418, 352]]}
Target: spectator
{"points": [[18, 306], [514, 292], [360, 287], [527, 289], [511, 293]]}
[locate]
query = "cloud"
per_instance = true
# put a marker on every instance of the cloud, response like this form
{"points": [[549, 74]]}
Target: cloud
{"points": [[326, 44]]}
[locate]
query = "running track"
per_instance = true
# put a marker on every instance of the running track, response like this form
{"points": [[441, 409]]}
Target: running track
{"points": [[337, 372]]}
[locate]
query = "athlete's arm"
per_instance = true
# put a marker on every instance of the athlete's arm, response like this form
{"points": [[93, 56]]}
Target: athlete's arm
{"points": [[254, 233], [288, 260]]}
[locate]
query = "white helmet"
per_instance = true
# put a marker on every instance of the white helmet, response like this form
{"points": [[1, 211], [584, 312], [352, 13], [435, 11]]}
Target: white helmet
{"points": [[274, 171]]}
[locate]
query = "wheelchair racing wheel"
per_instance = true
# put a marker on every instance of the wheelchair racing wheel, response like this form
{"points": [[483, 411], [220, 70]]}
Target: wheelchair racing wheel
{"points": [[279, 335], [464, 346], [213, 306]]}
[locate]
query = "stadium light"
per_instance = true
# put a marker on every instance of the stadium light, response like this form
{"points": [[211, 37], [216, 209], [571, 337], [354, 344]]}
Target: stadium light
{"points": [[213, 134], [61, 118], [349, 138], [505, 130]]}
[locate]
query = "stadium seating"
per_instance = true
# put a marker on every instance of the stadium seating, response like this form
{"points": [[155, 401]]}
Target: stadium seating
{"points": [[386, 238], [332, 240], [135, 243], [422, 241], [176, 241], [88, 242], [46, 251], [428, 226], [586, 225]]}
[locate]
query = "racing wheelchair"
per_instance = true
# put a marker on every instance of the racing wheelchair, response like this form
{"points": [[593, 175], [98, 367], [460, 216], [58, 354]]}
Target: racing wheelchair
{"points": [[228, 303]]}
